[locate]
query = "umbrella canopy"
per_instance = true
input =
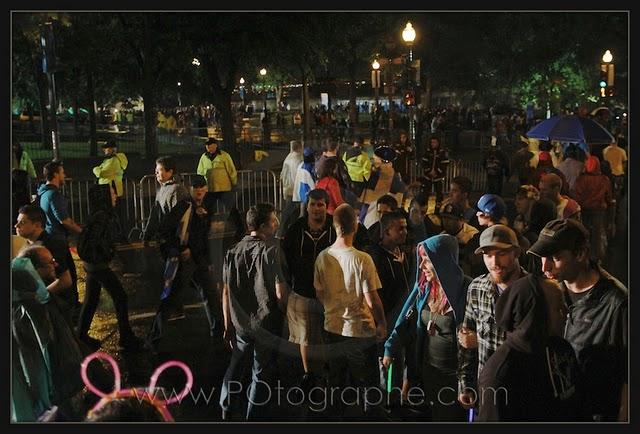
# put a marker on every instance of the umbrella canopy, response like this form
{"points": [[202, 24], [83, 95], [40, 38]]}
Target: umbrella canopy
{"points": [[572, 129]]}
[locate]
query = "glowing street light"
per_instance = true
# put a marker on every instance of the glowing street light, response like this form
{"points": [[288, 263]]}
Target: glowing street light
{"points": [[241, 80], [263, 72], [607, 57], [195, 62], [375, 65]]}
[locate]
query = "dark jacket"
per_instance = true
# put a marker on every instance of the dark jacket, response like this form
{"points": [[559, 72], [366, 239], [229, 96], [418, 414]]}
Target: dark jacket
{"points": [[436, 159], [396, 280], [301, 250], [532, 376], [443, 253], [96, 244], [198, 232], [597, 329]]}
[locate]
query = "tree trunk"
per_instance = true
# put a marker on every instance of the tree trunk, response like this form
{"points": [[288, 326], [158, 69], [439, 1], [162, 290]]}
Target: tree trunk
{"points": [[150, 131], [279, 90], [222, 99], [353, 111], [93, 136], [427, 100]]}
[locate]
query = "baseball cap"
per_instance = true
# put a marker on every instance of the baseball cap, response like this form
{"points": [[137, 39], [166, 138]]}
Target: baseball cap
{"points": [[454, 210], [386, 153], [557, 235], [198, 181], [492, 205], [499, 236]]}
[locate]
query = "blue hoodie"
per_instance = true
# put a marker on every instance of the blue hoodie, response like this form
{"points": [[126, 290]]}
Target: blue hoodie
{"points": [[443, 253]]}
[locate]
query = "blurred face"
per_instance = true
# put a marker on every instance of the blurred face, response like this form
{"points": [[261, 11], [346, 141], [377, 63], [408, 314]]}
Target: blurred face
{"points": [[502, 264], [109, 151], [47, 269], [426, 266], [163, 175], [397, 232], [211, 148], [451, 225], [522, 204], [317, 210], [25, 227], [547, 190], [434, 143], [60, 176], [417, 213], [197, 194], [270, 228], [563, 265], [383, 208], [483, 219], [456, 195]]}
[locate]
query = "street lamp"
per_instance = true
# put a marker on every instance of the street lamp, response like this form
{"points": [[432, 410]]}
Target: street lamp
{"points": [[375, 83], [607, 74], [195, 62], [408, 36], [242, 92], [179, 100], [263, 74]]}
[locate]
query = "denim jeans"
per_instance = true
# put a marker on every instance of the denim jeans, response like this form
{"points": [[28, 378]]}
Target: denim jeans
{"points": [[262, 352]]}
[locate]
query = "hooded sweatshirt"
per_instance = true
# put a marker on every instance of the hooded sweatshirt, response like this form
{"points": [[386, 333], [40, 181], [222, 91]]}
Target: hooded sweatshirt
{"points": [[592, 189], [96, 242], [442, 250], [288, 173], [305, 179], [534, 374]]}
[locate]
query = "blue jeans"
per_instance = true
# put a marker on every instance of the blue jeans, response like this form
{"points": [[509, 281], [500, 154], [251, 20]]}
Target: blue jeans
{"points": [[261, 352]]}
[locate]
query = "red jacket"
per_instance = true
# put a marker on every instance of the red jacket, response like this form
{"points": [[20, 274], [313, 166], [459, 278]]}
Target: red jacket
{"points": [[331, 186], [592, 190]]}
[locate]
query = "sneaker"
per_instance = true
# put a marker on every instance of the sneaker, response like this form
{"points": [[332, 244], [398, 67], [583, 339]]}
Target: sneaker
{"points": [[131, 343], [92, 343]]}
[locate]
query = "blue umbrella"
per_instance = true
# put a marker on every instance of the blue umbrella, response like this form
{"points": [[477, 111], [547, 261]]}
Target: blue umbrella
{"points": [[571, 129]]}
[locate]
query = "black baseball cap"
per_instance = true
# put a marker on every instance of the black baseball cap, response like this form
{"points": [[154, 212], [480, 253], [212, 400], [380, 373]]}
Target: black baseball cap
{"points": [[198, 181], [557, 235], [109, 144]]}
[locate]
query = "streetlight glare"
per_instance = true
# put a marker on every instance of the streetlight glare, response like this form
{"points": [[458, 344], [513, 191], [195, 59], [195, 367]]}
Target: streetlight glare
{"points": [[408, 34], [608, 57], [241, 80], [375, 65], [179, 84], [195, 62], [263, 72]]}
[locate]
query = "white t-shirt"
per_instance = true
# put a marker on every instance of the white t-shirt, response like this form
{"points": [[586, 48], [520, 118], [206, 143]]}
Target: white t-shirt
{"points": [[341, 277]]}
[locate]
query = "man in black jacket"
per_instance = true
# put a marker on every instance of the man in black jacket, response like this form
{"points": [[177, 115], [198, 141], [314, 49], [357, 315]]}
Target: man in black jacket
{"points": [[302, 243], [184, 240], [598, 323]]}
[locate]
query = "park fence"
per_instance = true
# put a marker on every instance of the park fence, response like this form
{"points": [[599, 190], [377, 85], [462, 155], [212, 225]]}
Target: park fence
{"points": [[253, 187]]}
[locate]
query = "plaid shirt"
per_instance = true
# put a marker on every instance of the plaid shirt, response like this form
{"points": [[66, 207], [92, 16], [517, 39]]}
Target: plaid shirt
{"points": [[480, 316]]}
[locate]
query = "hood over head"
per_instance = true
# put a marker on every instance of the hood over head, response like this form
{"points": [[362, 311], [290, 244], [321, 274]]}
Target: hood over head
{"points": [[443, 254]]}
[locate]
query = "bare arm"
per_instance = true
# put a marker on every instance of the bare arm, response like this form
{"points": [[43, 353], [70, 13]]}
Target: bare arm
{"points": [[375, 304], [281, 295], [623, 413], [229, 330], [71, 226], [61, 284]]}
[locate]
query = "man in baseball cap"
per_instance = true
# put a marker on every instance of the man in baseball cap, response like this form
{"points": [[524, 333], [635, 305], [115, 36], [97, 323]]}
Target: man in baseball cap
{"points": [[479, 335], [597, 323], [491, 210]]}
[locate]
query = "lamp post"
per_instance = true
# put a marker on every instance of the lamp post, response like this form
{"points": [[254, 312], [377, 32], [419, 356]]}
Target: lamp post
{"points": [[607, 75], [179, 100], [408, 36], [263, 74], [242, 92], [375, 83]]}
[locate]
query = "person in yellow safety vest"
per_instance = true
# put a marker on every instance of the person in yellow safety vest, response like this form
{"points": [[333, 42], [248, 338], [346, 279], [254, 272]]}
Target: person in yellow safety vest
{"points": [[112, 167], [217, 167], [358, 165]]}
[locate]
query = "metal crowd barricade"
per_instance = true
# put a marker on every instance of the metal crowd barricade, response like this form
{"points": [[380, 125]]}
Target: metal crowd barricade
{"points": [[77, 192], [253, 187]]}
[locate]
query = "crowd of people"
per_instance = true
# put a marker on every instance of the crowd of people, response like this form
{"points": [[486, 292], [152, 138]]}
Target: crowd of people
{"points": [[410, 296]]}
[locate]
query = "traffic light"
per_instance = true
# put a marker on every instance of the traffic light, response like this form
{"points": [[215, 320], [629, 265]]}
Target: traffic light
{"points": [[602, 82]]}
